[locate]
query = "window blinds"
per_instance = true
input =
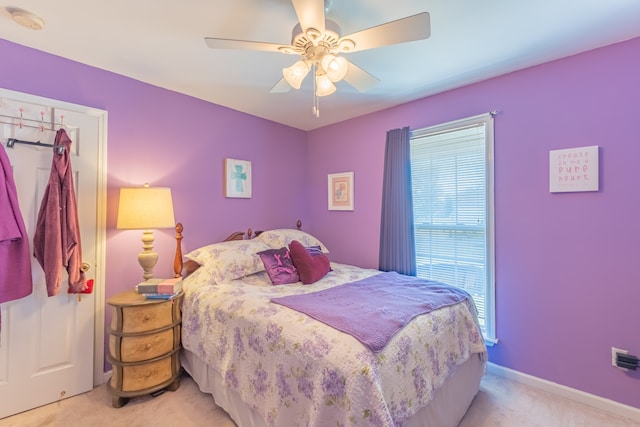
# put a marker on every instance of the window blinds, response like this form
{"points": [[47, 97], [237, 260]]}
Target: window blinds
{"points": [[449, 184]]}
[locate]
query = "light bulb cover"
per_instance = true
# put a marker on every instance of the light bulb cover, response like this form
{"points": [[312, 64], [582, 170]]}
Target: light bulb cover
{"points": [[295, 74], [324, 86], [335, 66]]}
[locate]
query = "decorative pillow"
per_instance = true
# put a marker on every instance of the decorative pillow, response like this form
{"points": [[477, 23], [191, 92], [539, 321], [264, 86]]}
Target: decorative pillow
{"points": [[279, 266], [310, 268], [314, 250], [283, 236], [230, 260]]}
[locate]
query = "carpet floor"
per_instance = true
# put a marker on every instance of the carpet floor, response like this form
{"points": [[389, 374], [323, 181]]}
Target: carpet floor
{"points": [[499, 403]]}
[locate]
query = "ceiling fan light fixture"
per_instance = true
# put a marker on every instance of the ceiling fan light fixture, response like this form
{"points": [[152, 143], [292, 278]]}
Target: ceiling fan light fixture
{"points": [[335, 67], [324, 86], [295, 74]]}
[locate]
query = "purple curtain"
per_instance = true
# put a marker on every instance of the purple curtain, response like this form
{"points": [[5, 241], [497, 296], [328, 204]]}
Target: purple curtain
{"points": [[397, 242]]}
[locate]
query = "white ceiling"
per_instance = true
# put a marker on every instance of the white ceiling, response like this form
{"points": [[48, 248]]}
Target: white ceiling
{"points": [[161, 42]]}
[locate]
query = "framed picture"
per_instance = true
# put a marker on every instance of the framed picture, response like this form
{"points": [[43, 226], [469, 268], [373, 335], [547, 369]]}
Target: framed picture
{"points": [[573, 170], [237, 178], [341, 191]]}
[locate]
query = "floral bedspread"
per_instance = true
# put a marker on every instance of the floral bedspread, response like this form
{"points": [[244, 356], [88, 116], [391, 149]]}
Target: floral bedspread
{"points": [[296, 371]]}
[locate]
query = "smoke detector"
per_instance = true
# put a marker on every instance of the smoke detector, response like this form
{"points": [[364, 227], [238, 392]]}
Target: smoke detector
{"points": [[25, 18]]}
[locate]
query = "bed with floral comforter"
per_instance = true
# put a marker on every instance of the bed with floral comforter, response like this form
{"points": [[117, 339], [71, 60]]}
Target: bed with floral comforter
{"points": [[292, 370]]}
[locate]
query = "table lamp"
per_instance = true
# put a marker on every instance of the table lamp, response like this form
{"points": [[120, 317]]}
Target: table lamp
{"points": [[145, 208]]}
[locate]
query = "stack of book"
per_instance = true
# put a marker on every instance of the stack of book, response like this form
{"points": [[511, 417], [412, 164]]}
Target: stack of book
{"points": [[166, 289]]}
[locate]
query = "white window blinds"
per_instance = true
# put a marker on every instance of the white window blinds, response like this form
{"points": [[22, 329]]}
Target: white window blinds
{"points": [[452, 181]]}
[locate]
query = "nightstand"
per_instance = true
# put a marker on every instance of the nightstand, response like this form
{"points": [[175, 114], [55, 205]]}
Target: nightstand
{"points": [[144, 345]]}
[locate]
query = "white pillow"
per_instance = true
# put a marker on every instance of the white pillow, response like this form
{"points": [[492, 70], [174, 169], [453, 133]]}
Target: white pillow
{"points": [[281, 237], [227, 261]]}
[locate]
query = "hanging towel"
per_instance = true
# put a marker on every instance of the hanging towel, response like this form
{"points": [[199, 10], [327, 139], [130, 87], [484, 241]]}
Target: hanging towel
{"points": [[57, 237], [15, 262]]}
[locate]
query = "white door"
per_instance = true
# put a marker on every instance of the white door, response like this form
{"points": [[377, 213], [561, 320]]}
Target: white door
{"points": [[47, 343]]}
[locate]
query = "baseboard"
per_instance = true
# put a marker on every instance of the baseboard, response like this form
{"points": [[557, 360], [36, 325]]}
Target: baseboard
{"points": [[567, 392]]}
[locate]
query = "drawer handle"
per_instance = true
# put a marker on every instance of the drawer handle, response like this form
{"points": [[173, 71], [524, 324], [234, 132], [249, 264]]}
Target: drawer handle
{"points": [[145, 375], [146, 317], [149, 345]]}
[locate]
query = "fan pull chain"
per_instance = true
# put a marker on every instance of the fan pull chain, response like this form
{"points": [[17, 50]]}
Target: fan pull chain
{"points": [[316, 100]]}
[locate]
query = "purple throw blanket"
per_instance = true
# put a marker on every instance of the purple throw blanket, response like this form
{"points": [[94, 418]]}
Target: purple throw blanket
{"points": [[374, 309]]}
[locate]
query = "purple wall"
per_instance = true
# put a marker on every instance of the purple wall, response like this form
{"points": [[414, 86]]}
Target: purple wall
{"points": [[565, 276], [169, 139], [566, 280]]}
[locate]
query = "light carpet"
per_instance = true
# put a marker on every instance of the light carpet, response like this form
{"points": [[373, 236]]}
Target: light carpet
{"points": [[499, 403]]}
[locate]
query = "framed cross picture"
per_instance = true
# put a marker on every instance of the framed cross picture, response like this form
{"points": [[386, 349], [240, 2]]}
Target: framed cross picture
{"points": [[341, 191], [237, 178]]}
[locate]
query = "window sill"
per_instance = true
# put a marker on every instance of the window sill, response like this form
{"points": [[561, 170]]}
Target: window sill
{"points": [[490, 342]]}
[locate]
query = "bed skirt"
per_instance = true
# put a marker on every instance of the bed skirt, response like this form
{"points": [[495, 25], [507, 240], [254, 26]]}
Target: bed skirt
{"points": [[449, 404]]}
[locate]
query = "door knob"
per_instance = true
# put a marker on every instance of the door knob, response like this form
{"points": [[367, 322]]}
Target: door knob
{"points": [[85, 267]]}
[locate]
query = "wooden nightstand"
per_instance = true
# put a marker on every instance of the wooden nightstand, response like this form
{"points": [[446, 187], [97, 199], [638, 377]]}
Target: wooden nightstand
{"points": [[144, 345]]}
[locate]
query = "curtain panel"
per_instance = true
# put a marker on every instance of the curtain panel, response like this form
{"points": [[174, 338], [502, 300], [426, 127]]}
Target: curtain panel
{"points": [[397, 242]]}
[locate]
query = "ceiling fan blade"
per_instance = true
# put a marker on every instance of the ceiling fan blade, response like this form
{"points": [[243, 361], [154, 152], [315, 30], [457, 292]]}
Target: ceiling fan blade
{"points": [[359, 78], [310, 14], [281, 87], [216, 43], [415, 27]]}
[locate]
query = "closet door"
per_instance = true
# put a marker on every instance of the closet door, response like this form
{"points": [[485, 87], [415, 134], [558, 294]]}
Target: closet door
{"points": [[47, 343]]}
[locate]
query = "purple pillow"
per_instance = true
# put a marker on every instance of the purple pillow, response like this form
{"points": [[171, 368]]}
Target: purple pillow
{"points": [[279, 266], [314, 250], [310, 268]]}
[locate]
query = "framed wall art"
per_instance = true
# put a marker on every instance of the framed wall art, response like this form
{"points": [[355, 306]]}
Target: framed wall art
{"points": [[573, 169], [341, 191], [237, 178]]}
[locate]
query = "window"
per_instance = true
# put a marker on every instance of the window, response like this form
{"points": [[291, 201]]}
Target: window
{"points": [[452, 184]]}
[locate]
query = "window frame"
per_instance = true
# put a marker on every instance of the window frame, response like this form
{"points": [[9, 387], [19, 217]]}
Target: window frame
{"points": [[488, 122]]}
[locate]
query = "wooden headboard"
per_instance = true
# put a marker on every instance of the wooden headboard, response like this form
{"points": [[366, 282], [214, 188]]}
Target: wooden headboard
{"points": [[184, 267]]}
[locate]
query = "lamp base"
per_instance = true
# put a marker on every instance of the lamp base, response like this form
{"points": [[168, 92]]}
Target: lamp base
{"points": [[148, 258]]}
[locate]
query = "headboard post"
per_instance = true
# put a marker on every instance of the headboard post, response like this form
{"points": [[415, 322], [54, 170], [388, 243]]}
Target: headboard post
{"points": [[177, 261]]}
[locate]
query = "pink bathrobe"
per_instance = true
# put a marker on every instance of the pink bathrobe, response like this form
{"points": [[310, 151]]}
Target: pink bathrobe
{"points": [[57, 238], [15, 261]]}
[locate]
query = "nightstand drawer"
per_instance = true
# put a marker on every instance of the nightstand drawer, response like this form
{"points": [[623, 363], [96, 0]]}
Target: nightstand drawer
{"points": [[144, 376], [143, 318], [136, 348], [133, 313]]}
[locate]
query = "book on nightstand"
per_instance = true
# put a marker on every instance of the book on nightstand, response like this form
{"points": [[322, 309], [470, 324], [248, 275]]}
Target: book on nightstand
{"points": [[162, 296], [160, 286]]}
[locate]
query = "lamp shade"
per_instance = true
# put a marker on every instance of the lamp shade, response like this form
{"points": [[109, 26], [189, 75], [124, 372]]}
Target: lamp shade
{"points": [[143, 208]]}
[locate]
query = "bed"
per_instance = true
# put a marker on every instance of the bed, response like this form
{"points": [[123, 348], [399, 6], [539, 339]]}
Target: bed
{"points": [[267, 364]]}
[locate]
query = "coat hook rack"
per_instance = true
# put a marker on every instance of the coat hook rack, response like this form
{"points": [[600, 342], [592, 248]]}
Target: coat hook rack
{"points": [[12, 141]]}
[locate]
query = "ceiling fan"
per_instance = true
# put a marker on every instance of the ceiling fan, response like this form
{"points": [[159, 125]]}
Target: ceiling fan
{"points": [[318, 42]]}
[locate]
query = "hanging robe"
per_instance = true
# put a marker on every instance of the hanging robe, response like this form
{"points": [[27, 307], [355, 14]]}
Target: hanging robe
{"points": [[15, 261], [57, 237]]}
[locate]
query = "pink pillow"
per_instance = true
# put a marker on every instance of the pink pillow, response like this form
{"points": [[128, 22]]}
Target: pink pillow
{"points": [[279, 266], [311, 268]]}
